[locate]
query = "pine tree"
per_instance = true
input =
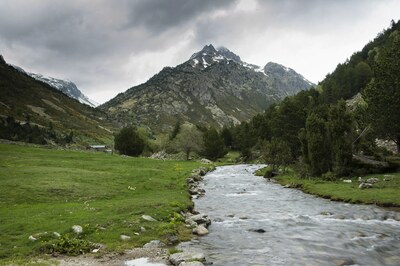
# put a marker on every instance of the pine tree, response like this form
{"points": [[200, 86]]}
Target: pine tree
{"points": [[383, 93], [214, 147]]}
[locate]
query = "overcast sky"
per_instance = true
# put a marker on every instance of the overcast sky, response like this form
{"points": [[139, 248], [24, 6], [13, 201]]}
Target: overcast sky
{"points": [[106, 47]]}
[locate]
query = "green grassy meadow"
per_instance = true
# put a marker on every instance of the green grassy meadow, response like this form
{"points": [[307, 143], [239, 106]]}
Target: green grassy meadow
{"points": [[44, 190], [383, 193]]}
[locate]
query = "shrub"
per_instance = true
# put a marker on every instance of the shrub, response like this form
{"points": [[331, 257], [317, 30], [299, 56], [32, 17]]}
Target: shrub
{"points": [[128, 142]]}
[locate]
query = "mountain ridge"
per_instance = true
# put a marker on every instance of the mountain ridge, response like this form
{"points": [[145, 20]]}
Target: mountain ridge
{"points": [[68, 87], [213, 87], [28, 101]]}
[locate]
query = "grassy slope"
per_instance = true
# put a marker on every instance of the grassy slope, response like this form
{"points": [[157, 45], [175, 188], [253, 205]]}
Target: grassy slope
{"points": [[21, 95], [48, 190], [384, 193]]}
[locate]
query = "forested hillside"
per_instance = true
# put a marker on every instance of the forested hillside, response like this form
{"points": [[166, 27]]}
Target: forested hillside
{"points": [[323, 127]]}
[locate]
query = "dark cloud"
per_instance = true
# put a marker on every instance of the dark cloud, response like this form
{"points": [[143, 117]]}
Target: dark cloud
{"points": [[108, 46], [161, 15]]}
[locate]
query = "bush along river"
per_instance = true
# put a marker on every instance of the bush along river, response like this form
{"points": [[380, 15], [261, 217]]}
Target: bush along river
{"points": [[256, 222]]}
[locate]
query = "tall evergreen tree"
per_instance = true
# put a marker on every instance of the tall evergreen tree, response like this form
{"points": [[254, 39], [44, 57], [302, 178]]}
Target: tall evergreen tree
{"points": [[214, 147], [383, 92]]}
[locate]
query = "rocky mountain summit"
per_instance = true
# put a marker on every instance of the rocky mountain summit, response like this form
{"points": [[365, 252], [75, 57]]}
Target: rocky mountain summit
{"points": [[67, 87], [214, 87]]}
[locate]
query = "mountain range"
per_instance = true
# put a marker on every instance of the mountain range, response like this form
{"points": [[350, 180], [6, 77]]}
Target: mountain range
{"points": [[214, 87], [67, 87]]}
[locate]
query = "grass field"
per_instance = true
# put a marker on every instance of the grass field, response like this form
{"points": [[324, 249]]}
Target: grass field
{"points": [[383, 193], [43, 190]]}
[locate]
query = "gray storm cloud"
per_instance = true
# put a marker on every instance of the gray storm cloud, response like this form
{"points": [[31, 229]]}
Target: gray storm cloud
{"points": [[105, 47]]}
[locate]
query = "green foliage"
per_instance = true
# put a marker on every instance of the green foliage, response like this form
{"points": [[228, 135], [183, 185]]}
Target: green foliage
{"points": [[214, 146], [317, 144], [244, 138], [327, 140], [128, 142], [340, 126], [67, 244], [226, 135], [189, 139], [176, 130], [384, 193], [276, 153], [383, 93], [352, 77]]}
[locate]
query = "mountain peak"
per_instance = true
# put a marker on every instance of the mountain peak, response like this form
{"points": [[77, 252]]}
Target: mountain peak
{"points": [[207, 50], [225, 52]]}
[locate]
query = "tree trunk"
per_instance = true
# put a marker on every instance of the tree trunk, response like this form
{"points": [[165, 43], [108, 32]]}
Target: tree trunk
{"points": [[398, 143]]}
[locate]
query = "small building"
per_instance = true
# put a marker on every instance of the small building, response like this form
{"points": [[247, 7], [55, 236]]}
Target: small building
{"points": [[97, 147]]}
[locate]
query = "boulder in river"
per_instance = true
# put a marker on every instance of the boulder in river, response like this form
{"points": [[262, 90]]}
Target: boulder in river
{"points": [[200, 230], [260, 230], [201, 219]]}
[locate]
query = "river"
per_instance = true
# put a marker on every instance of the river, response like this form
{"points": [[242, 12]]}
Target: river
{"points": [[300, 229]]}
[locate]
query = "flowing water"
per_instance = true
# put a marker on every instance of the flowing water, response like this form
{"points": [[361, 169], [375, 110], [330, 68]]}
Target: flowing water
{"points": [[300, 229]]}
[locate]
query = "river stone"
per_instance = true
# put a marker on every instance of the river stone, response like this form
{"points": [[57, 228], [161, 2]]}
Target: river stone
{"points": [[344, 262], [201, 219], [194, 191], [125, 237], [77, 229], [154, 244], [191, 263], [149, 218], [178, 258], [205, 161], [260, 230], [197, 177], [190, 222], [200, 230]]}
